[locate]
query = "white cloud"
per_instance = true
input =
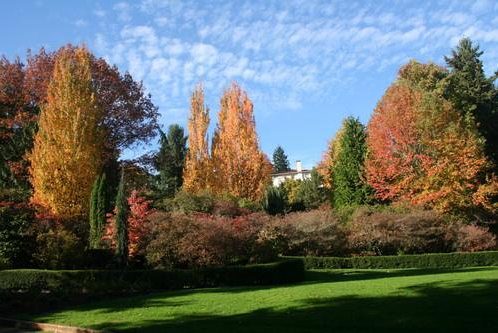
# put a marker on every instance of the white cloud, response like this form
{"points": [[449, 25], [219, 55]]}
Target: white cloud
{"points": [[80, 23]]}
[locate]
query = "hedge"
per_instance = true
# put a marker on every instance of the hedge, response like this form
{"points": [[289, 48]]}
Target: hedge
{"points": [[75, 282], [432, 260]]}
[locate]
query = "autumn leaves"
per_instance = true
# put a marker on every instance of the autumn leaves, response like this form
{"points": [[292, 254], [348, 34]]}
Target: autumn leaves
{"points": [[235, 164]]}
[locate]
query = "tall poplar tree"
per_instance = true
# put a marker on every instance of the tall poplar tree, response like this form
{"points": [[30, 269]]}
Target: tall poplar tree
{"points": [[197, 170], [240, 167], [280, 160], [67, 152], [348, 171]]}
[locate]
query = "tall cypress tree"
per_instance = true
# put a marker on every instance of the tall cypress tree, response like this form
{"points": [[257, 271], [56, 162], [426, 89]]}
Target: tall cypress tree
{"points": [[280, 160], [121, 223], [348, 174], [98, 208], [473, 93], [170, 160]]}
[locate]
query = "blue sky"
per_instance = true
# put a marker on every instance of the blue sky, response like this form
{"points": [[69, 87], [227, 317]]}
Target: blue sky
{"points": [[305, 64]]}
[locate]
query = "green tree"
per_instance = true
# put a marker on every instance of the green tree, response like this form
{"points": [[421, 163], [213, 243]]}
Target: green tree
{"points": [[311, 191], [348, 172], [99, 204], [280, 160], [273, 201], [121, 223], [170, 160], [473, 93]]}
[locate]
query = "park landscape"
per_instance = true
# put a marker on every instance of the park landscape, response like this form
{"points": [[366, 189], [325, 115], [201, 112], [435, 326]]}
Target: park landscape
{"points": [[394, 229]]}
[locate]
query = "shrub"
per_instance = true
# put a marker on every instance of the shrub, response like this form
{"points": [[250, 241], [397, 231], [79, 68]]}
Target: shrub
{"points": [[184, 202], [431, 260], [15, 239], [273, 201], [472, 238], [58, 249]]}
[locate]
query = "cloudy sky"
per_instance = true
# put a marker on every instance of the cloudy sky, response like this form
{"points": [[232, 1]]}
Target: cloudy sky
{"points": [[305, 64]]}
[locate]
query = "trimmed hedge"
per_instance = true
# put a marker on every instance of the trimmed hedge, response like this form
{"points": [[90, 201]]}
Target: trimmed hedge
{"points": [[432, 260], [100, 282]]}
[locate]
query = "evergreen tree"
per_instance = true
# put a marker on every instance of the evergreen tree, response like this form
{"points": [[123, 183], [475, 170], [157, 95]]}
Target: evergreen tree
{"points": [[98, 208], [170, 160], [311, 192], [121, 223], [473, 93], [273, 201], [280, 161], [348, 174]]}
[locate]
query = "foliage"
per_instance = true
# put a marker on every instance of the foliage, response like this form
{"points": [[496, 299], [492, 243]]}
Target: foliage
{"points": [[431, 260], [290, 189], [473, 93], [273, 201], [15, 240], [99, 204], [137, 222], [67, 152], [58, 248], [311, 192], [472, 238], [170, 160], [280, 160], [240, 168], [329, 158], [121, 224], [421, 149], [348, 172], [196, 176]]}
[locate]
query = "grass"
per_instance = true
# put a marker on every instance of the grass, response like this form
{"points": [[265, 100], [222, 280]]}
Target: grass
{"points": [[409, 300]]}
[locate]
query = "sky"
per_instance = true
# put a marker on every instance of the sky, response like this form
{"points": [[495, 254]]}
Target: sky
{"points": [[305, 64]]}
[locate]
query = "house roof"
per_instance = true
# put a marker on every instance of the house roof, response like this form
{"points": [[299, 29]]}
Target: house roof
{"points": [[290, 172]]}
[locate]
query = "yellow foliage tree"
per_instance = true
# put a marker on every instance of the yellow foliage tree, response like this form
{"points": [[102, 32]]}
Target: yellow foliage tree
{"points": [[67, 149], [196, 174], [239, 166], [329, 158]]}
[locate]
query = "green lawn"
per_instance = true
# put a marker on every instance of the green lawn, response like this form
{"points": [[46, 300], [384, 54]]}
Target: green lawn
{"points": [[461, 300]]}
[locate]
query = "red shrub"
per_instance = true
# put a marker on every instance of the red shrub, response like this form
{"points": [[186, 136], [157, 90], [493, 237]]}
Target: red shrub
{"points": [[472, 238]]}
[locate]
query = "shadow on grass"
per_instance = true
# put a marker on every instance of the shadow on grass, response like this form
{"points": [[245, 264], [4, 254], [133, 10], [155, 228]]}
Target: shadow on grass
{"points": [[455, 308]]}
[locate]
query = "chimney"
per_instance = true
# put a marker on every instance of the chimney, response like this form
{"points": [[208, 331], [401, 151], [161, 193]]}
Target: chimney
{"points": [[299, 166]]}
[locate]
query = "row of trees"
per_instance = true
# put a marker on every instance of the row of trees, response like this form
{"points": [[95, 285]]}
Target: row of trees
{"points": [[431, 141]]}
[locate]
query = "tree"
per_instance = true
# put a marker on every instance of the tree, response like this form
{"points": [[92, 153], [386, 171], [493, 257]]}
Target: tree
{"points": [[197, 170], [473, 93], [348, 171], [121, 223], [170, 160], [273, 201], [98, 209], [311, 192], [280, 161], [239, 167], [329, 159], [67, 152], [137, 222], [422, 150]]}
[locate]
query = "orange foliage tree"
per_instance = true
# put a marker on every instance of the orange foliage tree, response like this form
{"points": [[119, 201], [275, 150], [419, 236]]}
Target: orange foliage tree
{"points": [[196, 174], [67, 149], [239, 166], [421, 149]]}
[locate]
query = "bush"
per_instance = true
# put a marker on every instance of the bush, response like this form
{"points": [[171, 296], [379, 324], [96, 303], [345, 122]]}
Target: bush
{"points": [[472, 238], [432, 260], [273, 201], [15, 239], [58, 249]]}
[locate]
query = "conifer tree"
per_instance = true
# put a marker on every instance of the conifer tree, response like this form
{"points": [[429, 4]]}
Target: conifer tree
{"points": [[280, 160], [121, 222], [170, 160], [348, 172], [67, 152], [98, 209]]}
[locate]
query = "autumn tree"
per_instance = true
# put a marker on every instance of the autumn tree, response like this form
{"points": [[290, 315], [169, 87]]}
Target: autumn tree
{"points": [[473, 93], [348, 170], [197, 171], [139, 211], [329, 158], [423, 150], [67, 152], [280, 160], [239, 167], [170, 160]]}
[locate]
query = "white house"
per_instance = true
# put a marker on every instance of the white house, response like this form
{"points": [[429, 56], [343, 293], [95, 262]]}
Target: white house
{"points": [[298, 174]]}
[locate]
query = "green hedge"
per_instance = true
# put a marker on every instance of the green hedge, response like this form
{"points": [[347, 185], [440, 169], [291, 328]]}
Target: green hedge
{"points": [[99, 282], [433, 260]]}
